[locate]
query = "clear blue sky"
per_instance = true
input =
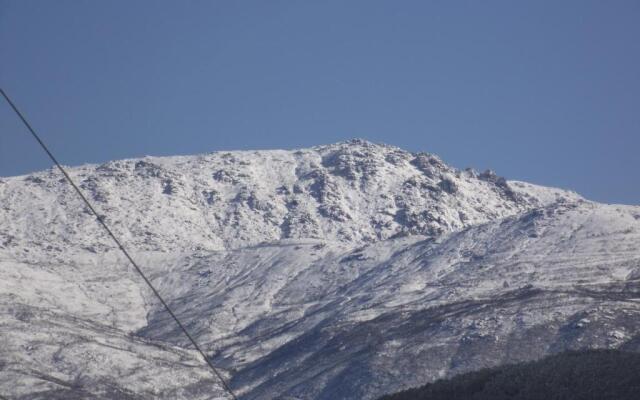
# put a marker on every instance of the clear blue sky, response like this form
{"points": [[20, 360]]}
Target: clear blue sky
{"points": [[543, 91]]}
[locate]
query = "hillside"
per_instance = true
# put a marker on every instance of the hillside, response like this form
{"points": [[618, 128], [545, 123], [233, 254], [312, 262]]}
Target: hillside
{"points": [[589, 375], [342, 271]]}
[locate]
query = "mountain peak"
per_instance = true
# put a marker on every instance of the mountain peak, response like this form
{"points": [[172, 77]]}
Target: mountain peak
{"points": [[353, 192], [355, 142]]}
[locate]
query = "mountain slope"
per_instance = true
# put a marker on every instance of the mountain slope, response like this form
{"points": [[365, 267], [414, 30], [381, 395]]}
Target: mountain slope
{"points": [[602, 375], [322, 273]]}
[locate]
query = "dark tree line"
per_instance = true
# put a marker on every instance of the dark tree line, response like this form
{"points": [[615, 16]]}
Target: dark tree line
{"points": [[586, 375]]}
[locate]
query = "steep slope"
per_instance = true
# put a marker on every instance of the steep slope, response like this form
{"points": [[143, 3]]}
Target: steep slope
{"points": [[317, 322], [322, 273]]}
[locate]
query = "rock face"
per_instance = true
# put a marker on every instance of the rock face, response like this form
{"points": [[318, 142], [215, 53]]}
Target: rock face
{"points": [[320, 273]]}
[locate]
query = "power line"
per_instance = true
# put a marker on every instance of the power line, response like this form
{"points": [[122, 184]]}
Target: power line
{"points": [[117, 242]]}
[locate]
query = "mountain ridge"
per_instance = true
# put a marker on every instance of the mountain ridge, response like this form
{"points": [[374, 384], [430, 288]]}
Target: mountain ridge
{"points": [[389, 191]]}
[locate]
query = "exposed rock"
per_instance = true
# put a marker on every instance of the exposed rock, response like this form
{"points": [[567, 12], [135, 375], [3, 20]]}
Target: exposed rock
{"points": [[429, 164], [448, 185]]}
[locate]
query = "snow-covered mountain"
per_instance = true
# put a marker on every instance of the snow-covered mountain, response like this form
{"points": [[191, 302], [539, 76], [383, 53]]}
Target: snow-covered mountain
{"points": [[337, 272]]}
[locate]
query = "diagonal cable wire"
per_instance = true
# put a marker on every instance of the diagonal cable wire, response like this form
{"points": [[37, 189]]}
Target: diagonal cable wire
{"points": [[117, 242]]}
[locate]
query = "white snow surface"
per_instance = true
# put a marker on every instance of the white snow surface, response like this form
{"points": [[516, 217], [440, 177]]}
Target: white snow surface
{"points": [[342, 271]]}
